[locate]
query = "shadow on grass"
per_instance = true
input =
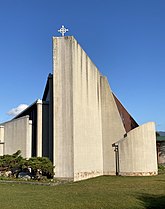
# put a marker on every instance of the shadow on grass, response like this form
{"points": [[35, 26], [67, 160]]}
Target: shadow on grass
{"points": [[152, 201]]}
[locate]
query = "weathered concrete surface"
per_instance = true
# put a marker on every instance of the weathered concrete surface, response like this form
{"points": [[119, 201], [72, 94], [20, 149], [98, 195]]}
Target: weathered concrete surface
{"points": [[112, 127], [78, 121], [63, 107], [137, 151], [39, 128], [77, 111], [86, 121], [18, 136], [1, 133], [87, 128], [1, 140]]}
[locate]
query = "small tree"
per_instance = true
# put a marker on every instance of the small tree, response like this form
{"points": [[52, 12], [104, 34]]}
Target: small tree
{"points": [[11, 162], [41, 165]]}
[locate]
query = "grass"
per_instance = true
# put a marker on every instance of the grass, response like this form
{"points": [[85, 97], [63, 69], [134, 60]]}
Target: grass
{"points": [[99, 193]]}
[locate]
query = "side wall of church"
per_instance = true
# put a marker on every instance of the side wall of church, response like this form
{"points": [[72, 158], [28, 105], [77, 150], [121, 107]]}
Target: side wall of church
{"points": [[18, 136], [112, 127], [87, 127], [63, 107], [1, 140], [86, 121], [86, 118], [137, 151]]}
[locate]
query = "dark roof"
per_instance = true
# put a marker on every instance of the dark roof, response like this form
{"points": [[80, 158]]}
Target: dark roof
{"points": [[26, 111], [50, 76], [128, 121]]}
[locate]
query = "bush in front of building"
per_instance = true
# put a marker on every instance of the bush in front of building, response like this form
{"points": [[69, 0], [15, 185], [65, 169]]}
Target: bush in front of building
{"points": [[161, 169], [34, 168]]}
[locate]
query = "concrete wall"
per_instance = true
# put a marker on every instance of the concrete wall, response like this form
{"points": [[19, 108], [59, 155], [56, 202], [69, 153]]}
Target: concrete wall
{"points": [[137, 151], [63, 107], [87, 129], [18, 136], [1, 140], [86, 121], [39, 128], [1, 133], [112, 127], [77, 112]]}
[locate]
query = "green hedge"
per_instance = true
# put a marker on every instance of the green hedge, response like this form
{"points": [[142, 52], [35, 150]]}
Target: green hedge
{"points": [[38, 166]]}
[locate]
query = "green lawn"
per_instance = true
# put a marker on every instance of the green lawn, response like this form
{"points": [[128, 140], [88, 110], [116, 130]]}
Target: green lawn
{"points": [[98, 193]]}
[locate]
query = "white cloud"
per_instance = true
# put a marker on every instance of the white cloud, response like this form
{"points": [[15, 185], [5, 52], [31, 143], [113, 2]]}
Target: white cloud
{"points": [[15, 111]]}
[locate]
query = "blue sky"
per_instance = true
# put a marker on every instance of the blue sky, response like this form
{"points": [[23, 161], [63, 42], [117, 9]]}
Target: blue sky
{"points": [[124, 38]]}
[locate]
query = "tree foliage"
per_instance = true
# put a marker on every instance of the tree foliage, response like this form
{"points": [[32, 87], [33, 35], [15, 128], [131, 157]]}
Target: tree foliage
{"points": [[8, 162], [42, 165], [35, 165]]}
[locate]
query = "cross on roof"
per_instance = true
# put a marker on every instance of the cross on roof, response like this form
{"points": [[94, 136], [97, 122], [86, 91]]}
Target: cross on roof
{"points": [[63, 30]]}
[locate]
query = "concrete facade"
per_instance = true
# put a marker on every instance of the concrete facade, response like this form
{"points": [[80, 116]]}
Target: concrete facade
{"points": [[87, 124], [17, 136], [87, 120], [77, 122], [137, 152], [1, 140], [112, 127], [62, 108], [39, 128]]}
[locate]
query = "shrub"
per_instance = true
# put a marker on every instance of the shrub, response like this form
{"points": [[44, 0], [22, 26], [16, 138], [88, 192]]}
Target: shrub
{"points": [[12, 162], [36, 166], [41, 166]]}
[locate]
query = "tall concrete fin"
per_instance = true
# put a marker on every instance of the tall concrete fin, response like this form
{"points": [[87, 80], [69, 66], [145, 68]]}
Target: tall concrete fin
{"points": [[112, 127], [87, 129], [63, 107], [77, 112]]}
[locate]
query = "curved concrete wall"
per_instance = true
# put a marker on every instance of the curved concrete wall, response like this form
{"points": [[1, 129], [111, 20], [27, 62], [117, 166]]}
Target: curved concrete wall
{"points": [[137, 151]]}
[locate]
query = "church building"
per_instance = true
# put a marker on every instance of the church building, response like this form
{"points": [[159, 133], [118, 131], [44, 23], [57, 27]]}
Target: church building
{"points": [[80, 124]]}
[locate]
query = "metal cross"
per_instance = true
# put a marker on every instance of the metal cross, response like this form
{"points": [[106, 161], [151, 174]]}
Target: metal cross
{"points": [[63, 30]]}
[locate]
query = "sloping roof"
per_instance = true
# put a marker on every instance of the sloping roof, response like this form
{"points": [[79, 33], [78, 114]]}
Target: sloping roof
{"points": [[128, 121], [50, 76], [26, 111]]}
